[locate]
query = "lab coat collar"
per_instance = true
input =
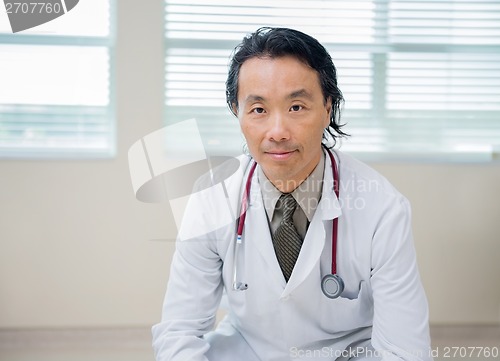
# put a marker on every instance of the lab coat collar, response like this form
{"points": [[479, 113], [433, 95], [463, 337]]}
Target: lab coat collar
{"points": [[329, 205]]}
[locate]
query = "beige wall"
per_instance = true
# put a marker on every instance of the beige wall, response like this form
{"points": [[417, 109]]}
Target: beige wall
{"points": [[456, 225], [76, 249]]}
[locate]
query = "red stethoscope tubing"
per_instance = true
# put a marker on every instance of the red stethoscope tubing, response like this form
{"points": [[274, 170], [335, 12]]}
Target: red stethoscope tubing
{"points": [[335, 223], [246, 196], [244, 202]]}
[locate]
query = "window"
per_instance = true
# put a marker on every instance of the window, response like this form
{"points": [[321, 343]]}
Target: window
{"points": [[421, 79], [56, 100]]}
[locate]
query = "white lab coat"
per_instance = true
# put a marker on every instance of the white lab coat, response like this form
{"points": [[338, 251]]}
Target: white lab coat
{"points": [[383, 305]]}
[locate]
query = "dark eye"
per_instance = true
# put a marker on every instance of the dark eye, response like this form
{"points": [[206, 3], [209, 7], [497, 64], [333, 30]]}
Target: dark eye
{"points": [[296, 108], [258, 110]]}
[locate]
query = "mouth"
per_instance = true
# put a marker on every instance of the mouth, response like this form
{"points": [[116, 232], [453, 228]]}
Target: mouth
{"points": [[280, 154]]}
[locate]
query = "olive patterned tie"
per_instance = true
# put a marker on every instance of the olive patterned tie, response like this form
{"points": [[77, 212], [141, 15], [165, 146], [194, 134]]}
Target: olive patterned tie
{"points": [[286, 239]]}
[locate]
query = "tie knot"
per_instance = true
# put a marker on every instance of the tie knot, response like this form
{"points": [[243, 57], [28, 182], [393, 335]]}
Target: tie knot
{"points": [[289, 204]]}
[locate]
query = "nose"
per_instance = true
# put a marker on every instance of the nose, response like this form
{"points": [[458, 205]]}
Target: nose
{"points": [[278, 128]]}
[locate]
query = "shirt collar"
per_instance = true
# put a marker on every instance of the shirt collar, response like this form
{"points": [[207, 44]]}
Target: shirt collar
{"points": [[307, 195]]}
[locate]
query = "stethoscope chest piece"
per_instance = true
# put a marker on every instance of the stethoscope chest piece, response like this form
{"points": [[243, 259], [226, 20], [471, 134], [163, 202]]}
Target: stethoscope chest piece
{"points": [[332, 285]]}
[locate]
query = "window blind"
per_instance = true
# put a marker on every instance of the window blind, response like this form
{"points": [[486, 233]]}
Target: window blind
{"points": [[421, 79], [56, 100]]}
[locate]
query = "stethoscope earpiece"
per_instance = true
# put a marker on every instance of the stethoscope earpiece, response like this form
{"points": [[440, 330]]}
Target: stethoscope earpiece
{"points": [[332, 285]]}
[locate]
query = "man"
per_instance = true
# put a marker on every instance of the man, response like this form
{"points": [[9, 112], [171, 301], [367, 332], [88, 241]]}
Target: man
{"points": [[282, 87]]}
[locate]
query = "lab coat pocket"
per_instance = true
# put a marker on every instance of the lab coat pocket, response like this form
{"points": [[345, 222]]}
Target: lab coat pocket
{"points": [[253, 301], [348, 311]]}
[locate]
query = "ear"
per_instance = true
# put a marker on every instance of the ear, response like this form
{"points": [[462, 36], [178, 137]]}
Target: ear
{"points": [[234, 108], [328, 112]]}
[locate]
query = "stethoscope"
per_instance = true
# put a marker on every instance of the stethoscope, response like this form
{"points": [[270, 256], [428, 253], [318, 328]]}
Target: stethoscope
{"points": [[332, 284]]}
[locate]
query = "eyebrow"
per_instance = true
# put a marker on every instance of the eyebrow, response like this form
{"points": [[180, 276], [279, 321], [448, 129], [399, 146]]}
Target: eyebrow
{"points": [[254, 98], [302, 93]]}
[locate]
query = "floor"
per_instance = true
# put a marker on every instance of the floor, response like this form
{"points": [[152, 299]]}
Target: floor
{"points": [[76, 345], [478, 343]]}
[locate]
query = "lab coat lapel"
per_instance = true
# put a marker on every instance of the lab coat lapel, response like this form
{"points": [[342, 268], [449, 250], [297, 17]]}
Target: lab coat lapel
{"points": [[314, 242], [258, 234]]}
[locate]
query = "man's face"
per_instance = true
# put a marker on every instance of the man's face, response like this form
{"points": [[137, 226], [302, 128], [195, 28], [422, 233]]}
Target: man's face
{"points": [[282, 115]]}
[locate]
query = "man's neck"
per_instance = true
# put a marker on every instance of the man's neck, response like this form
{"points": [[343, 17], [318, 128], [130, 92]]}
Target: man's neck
{"points": [[290, 184]]}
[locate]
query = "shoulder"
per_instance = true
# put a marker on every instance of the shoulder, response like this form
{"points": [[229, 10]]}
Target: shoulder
{"points": [[366, 192], [359, 177], [222, 170], [215, 199]]}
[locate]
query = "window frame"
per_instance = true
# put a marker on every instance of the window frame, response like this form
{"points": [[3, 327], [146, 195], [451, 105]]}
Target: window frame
{"points": [[62, 153]]}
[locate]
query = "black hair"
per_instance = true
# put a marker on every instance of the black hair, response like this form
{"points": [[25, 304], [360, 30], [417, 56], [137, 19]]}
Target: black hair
{"points": [[279, 42]]}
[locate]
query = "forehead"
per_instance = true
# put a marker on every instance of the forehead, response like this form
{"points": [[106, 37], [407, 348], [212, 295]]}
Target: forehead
{"points": [[273, 77]]}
